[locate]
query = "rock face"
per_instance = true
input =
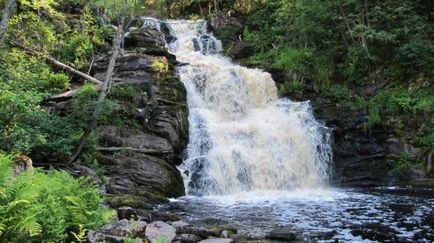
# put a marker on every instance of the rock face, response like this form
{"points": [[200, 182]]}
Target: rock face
{"points": [[140, 161]]}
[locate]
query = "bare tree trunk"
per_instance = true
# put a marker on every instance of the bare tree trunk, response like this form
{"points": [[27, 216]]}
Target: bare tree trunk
{"points": [[58, 64], [10, 5], [104, 91]]}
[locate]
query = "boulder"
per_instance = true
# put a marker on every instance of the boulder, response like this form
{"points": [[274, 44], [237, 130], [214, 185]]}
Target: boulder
{"points": [[202, 232], [144, 37], [282, 234], [126, 213], [142, 175], [242, 49], [188, 238], [22, 163], [159, 231]]}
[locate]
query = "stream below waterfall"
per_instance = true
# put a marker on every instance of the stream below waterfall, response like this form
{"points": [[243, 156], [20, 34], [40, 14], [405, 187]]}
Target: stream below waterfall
{"points": [[384, 214], [262, 163]]}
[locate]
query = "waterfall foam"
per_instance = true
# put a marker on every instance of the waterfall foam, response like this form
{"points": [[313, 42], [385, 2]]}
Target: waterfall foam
{"points": [[242, 136]]}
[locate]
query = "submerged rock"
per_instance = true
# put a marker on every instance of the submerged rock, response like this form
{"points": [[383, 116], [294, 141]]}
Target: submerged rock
{"points": [[282, 234]]}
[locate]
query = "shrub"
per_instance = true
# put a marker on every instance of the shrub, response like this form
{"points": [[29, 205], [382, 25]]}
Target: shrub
{"points": [[51, 207], [77, 50], [337, 93]]}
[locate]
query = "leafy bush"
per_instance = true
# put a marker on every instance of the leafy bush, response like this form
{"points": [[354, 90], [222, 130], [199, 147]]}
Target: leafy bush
{"points": [[51, 207], [77, 50], [337, 93]]}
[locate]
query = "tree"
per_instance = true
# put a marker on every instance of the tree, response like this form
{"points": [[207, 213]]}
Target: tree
{"points": [[10, 5]]}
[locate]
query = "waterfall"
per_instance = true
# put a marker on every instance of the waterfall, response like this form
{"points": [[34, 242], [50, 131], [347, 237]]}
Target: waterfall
{"points": [[242, 136]]}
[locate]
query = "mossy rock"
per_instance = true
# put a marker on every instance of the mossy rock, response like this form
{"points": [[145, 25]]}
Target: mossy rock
{"points": [[117, 201]]}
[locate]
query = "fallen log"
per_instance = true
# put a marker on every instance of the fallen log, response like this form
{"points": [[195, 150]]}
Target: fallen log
{"points": [[68, 94], [139, 150], [57, 63]]}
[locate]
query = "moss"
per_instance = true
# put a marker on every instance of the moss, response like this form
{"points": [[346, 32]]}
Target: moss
{"points": [[219, 229], [133, 201]]}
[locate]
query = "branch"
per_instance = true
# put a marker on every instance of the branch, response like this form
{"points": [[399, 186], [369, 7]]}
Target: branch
{"points": [[139, 150], [57, 63]]}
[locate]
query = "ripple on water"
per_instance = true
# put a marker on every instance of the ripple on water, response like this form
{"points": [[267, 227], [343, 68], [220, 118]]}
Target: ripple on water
{"points": [[378, 214]]}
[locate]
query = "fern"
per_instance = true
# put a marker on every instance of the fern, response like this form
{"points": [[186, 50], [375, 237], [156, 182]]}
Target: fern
{"points": [[49, 207]]}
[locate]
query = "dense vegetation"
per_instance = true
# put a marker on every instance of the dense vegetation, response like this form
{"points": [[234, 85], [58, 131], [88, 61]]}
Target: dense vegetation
{"points": [[50, 205], [47, 206]]}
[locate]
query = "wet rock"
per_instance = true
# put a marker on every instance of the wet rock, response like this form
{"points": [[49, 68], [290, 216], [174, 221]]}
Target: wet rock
{"points": [[202, 232], [126, 213], [144, 37], [188, 238], [154, 215], [217, 240], [160, 232], [136, 202], [283, 234], [376, 232]]}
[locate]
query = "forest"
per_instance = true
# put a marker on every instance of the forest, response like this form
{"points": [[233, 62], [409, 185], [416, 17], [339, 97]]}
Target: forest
{"points": [[371, 61]]}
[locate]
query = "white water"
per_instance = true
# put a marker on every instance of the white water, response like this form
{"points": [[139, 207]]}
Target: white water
{"points": [[243, 138]]}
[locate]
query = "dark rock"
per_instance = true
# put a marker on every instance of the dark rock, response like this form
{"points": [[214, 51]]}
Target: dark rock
{"points": [[242, 49], [429, 163], [188, 238], [88, 172], [126, 213], [376, 232], [136, 202], [124, 227], [179, 224], [395, 148], [110, 136], [220, 19], [153, 215], [142, 175], [202, 232], [283, 234], [144, 37], [160, 232]]}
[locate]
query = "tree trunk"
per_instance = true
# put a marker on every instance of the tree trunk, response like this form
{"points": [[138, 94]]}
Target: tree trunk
{"points": [[5, 18], [58, 64], [104, 91]]}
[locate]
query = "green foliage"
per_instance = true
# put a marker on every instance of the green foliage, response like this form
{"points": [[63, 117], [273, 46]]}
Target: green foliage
{"points": [[290, 86], [77, 50], [159, 66], [53, 206], [337, 93]]}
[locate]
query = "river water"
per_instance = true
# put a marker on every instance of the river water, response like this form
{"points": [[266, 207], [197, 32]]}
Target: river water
{"points": [[261, 163], [347, 215]]}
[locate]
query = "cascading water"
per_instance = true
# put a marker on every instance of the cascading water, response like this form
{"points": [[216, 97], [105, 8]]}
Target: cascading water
{"points": [[242, 137]]}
